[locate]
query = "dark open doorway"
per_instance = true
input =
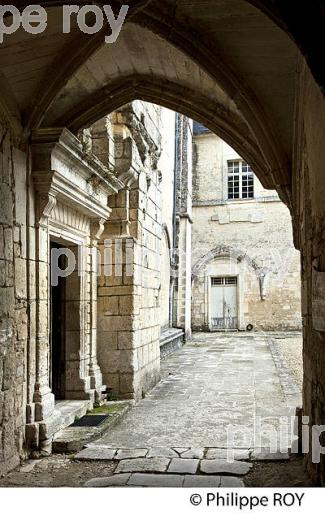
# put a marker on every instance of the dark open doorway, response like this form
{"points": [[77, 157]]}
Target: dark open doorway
{"points": [[57, 332]]}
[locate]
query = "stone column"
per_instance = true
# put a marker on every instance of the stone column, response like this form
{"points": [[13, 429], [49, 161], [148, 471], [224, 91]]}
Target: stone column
{"points": [[43, 397], [118, 321], [96, 379]]}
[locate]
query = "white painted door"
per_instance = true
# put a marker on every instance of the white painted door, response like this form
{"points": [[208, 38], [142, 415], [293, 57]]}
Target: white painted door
{"points": [[224, 302]]}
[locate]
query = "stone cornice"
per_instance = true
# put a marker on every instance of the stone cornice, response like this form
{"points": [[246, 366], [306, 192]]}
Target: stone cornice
{"points": [[53, 185], [59, 143]]}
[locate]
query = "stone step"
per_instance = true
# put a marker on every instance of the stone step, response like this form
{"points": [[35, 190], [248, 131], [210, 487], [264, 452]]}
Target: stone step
{"points": [[72, 410], [164, 480], [97, 451], [74, 438]]}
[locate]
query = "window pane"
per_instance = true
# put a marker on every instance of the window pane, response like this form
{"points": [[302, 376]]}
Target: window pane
{"points": [[216, 281], [246, 168], [231, 280], [233, 186]]}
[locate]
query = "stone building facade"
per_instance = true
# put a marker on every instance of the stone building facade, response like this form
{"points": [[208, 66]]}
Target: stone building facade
{"points": [[108, 236], [88, 279], [246, 271], [261, 90]]}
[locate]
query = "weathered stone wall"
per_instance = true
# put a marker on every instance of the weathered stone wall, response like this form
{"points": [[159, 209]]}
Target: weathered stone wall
{"points": [[210, 156], [13, 301], [165, 273], [134, 307], [256, 233], [309, 219]]}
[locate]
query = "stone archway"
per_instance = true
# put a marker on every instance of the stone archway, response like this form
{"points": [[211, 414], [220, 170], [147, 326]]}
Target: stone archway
{"points": [[276, 104]]}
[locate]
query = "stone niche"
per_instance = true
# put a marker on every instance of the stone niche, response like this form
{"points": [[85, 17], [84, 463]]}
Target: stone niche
{"points": [[71, 207]]}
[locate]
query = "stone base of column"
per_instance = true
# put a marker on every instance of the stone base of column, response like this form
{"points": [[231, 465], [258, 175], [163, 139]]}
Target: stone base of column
{"points": [[96, 383], [44, 403]]}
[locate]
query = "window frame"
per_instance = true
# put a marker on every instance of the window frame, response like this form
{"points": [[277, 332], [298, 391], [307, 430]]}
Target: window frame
{"points": [[240, 180]]}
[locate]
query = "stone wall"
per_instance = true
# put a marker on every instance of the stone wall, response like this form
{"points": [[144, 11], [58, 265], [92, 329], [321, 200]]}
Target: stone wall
{"points": [[309, 219], [134, 306], [13, 302], [254, 235]]}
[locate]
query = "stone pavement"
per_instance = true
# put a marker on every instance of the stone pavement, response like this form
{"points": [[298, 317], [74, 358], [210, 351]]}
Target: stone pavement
{"points": [[219, 391]]}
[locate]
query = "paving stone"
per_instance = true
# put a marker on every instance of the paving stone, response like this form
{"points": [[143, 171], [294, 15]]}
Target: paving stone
{"points": [[183, 466], [154, 480], [223, 466], [96, 454], [223, 453], [130, 454], [28, 466], [193, 453], [114, 480], [193, 386], [197, 481], [161, 452], [180, 450], [143, 465], [266, 454], [231, 482]]}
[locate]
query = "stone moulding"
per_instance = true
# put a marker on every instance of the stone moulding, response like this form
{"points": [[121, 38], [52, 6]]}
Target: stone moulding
{"points": [[53, 186], [223, 251], [63, 170], [228, 252], [72, 189]]}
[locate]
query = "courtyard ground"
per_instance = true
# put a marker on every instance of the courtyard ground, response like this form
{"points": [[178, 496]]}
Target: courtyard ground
{"points": [[291, 349], [213, 394]]}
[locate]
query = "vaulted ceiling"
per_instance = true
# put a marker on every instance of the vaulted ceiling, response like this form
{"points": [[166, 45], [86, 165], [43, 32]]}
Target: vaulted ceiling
{"points": [[230, 64]]}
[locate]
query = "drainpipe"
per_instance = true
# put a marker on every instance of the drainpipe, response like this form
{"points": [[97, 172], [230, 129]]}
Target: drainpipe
{"points": [[173, 276]]}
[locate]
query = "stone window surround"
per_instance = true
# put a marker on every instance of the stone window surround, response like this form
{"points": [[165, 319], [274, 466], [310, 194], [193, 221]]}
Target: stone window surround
{"points": [[240, 175]]}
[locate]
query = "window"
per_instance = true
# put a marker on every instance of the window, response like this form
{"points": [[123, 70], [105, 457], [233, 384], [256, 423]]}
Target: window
{"points": [[226, 280], [240, 180]]}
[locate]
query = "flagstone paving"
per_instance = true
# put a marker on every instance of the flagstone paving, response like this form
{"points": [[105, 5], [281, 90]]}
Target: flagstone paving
{"points": [[217, 392]]}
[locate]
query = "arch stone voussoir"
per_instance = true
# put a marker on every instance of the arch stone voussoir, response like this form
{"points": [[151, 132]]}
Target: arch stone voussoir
{"points": [[224, 251], [217, 117]]}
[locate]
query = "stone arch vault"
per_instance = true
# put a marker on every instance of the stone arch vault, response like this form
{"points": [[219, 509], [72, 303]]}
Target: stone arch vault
{"points": [[251, 71]]}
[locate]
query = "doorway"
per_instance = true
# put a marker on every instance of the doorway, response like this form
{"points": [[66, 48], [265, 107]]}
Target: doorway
{"points": [[57, 331], [224, 308]]}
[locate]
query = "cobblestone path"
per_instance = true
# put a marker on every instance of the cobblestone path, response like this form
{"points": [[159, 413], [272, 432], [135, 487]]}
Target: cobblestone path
{"points": [[177, 435], [220, 400], [215, 381]]}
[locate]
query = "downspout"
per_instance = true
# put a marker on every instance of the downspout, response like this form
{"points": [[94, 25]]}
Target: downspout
{"points": [[173, 276], [175, 177]]}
